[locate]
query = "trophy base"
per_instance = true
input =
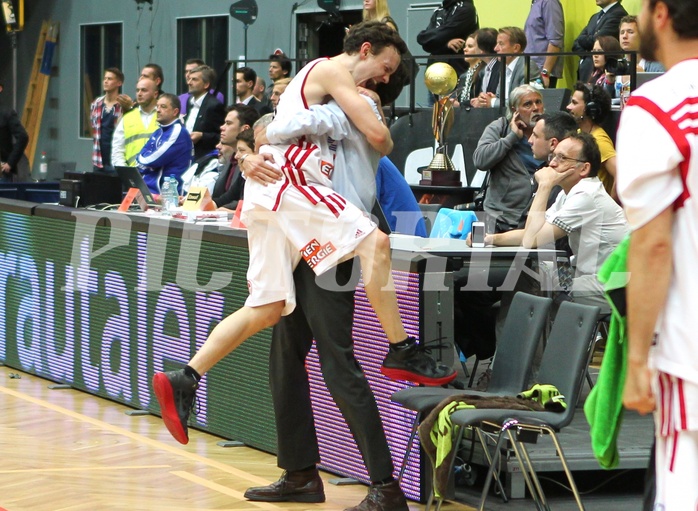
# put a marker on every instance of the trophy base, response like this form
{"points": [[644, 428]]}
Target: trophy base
{"points": [[432, 177]]}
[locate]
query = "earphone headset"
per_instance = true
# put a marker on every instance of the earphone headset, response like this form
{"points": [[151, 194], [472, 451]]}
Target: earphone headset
{"points": [[592, 108]]}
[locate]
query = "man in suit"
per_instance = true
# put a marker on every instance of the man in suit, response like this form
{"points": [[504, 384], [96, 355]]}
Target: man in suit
{"points": [[230, 184], [205, 113], [511, 41], [13, 140], [604, 22], [245, 81]]}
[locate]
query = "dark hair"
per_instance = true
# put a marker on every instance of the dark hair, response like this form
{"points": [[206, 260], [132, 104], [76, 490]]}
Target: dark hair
{"points": [[208, 75], [246, 114], [389, 92], [558, 124], [158, 73], [597, 97], [609, 44], [174, 100], [590, 151], [378, 34], [486, 39], [284, 62], [516, 36], [198, 62], [248, 74], [683, 16], [247, 136], [116, 72]]}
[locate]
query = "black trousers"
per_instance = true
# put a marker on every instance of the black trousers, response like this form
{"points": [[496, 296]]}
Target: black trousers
{"points": [[327, 316]]}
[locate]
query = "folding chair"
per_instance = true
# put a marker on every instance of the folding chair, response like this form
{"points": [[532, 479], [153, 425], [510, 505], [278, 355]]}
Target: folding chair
{"points": [[522, 331], [563, 365]]}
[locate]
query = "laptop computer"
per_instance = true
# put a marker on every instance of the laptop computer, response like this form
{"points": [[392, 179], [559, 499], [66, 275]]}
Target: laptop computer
{"points": [[643, 78], [89, 188], [131, 178]]}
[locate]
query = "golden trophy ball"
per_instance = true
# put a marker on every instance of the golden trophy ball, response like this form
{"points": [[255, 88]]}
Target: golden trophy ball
{"points": [[440, 78]]}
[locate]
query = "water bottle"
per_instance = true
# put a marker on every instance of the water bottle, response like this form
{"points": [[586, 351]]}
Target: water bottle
{"points": [[165, 194], [43, 166], [174, 192]]}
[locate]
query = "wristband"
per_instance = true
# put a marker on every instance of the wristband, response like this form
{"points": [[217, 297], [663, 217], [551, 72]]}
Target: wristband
{"points": [[544, 72]]}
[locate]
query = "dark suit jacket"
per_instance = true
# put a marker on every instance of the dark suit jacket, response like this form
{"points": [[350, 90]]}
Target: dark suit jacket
{"points": [[259, 106], [211, 117], [609, 25], [13, 138], [493, 84], [229, 197]]}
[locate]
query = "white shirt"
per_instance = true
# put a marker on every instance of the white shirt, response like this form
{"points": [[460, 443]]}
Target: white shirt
{"points": [[657, 169], [594, 223], [193, 112], [118, 142]]}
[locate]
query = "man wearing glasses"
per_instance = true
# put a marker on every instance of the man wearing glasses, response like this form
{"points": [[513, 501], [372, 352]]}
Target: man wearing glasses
{"points": [[583, 211]]}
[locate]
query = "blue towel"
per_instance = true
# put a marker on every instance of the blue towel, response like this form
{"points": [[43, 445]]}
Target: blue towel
{"points": [[450, 223]]}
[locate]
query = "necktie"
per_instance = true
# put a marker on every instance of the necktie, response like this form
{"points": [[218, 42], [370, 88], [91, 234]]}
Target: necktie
{"points": [[601, 15]]}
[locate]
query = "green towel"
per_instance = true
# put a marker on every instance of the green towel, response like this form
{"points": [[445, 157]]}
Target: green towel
{"points": [[604, 406]]}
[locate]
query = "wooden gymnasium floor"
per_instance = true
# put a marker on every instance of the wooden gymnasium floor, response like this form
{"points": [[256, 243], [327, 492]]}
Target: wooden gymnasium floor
{"points": [[66, 450]]}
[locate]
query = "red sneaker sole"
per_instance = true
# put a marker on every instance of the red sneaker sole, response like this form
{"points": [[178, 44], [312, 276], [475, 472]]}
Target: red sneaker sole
{"points": [[165, 396], [402, 375]]}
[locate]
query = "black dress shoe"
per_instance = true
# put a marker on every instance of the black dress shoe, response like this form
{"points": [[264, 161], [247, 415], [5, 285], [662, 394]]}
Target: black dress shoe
{"points": [[383, 497], [293, 486]]}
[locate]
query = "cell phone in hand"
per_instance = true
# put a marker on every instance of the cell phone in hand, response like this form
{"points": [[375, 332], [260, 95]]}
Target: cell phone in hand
{"points": [[477, 235]]}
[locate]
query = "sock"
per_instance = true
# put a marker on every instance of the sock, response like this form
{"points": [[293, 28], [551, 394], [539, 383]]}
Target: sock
{"points": [[402, 345], [189, 371]]}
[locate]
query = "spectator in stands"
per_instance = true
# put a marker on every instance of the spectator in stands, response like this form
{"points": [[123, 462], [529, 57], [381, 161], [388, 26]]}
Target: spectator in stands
{"points": [[105, 113], [468, 80], [136, 126], [629, 36], [244, 143], [486, 40], [545, 32], [230, 185], [259, 88], [13, 141], [168, 151], [189, 65], [590, 106], [504, 150], [245, 80], [604, 22], [151, 71], [205, 113], [378, 10], [512, 41], [447, 31], [278, 89], [605, 47], [279, 67]]}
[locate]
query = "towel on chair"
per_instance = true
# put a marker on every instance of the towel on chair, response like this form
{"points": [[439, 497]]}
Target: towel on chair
{"points": [[604, 405], [436, 430]]}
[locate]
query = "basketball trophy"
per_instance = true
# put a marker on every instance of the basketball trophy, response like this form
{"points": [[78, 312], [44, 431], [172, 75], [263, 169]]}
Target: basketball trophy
{"points": [[441, 79]]}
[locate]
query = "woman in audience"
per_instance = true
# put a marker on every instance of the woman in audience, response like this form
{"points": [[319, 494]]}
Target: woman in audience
{"points": [[590, 105], [467, 81], [378, 10], [604, 44]]}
